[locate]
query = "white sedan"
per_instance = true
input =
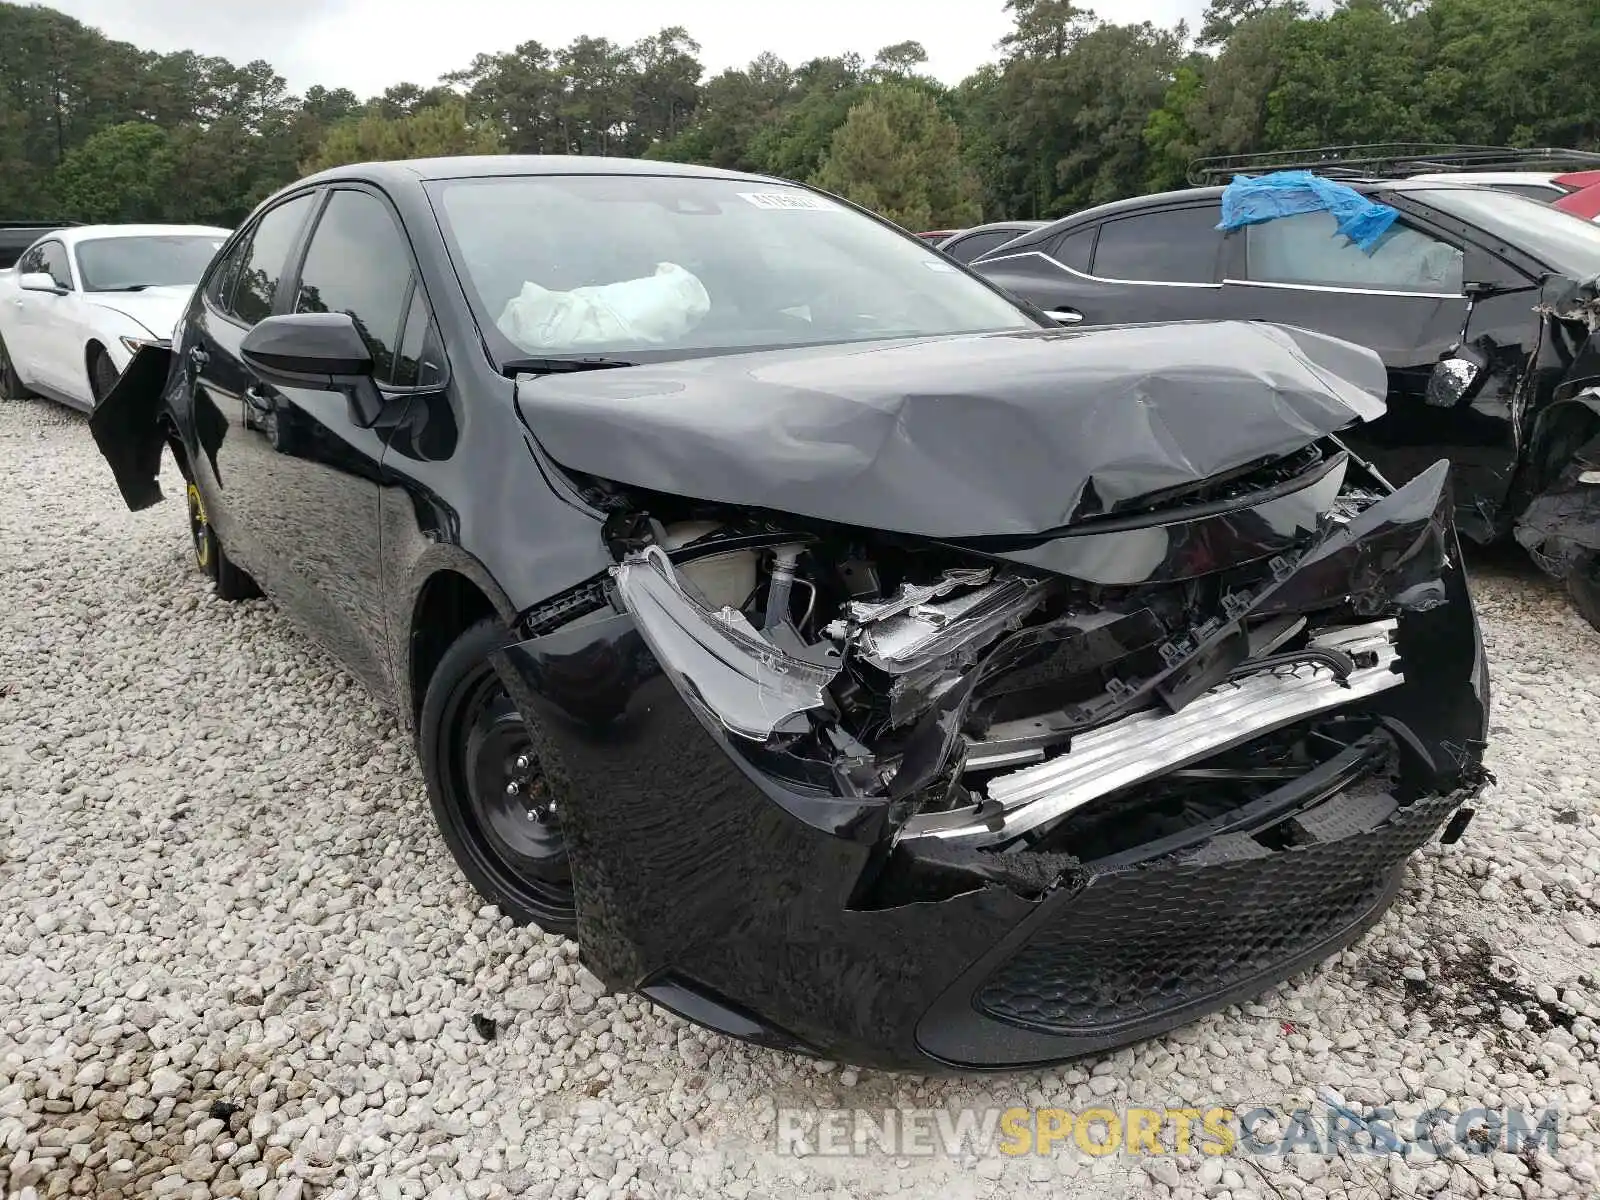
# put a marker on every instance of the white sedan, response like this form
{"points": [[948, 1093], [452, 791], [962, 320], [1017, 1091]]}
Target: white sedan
{"points": [[80, 301]]}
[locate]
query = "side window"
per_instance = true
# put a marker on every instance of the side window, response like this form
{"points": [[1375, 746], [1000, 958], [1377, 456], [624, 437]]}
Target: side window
{"points": [[1179, 245], [219, 288], [978, 244], [31, 262], [266, 259], [1075, 249], [1308, 249], [54, 256], [358, 264], [420, 361]]}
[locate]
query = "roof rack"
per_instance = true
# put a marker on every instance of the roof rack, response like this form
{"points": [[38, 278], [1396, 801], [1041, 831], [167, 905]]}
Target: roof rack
{"points": [[1390, 160]]}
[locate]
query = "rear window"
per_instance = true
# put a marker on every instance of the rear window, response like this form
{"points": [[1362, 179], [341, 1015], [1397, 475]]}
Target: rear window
{"points": [[1179, 245], [1561, 241]]}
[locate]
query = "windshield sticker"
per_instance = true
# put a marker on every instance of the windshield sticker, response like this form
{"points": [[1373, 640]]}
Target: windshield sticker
{"points": [[799, 201]]}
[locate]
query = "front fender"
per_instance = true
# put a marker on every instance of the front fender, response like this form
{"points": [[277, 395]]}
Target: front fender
{"points": [[126, 426]]}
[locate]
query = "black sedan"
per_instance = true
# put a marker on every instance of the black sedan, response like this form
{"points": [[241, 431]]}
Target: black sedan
{"points": [[1478, 301], [847, 659]]}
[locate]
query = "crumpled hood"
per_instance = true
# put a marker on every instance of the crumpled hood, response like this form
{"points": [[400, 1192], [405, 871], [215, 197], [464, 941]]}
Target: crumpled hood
{"points": [[156, 308], [968, 436]]}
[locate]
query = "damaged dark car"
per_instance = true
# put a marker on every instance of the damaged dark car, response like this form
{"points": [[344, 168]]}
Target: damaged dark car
{"points": [[1481, 304], [848, 659]]}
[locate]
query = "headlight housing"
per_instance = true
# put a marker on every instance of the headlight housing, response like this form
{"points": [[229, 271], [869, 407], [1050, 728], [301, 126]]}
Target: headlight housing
{"points": [[134, 344]]}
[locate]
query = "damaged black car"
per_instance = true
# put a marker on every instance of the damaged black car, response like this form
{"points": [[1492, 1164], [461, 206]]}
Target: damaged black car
{"points": [[848, 659]]}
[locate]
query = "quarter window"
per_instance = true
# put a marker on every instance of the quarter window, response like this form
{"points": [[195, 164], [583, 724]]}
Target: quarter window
{"points": [[265, 261], [1075, 249], [1179, 245], [1308, 249], [358, 264], [969, 249], [420, 362], [54, 257]]}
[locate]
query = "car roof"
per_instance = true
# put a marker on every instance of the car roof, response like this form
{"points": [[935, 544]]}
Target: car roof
{"points": [[1136, 204], [485, 166], [1489, 177], [73, 234], [1002, 225]]}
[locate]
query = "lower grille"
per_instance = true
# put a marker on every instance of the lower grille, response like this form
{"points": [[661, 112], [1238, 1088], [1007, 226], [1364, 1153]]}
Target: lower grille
{"points": [[1135, 944]]}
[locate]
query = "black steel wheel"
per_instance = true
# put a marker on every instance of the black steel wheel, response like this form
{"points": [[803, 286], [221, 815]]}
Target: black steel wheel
{"points": [[11, 385], [487, 791]]}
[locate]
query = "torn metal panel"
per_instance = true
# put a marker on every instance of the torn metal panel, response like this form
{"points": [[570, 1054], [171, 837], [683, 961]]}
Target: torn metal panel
{"points": [[993, 435], [125, 426]]}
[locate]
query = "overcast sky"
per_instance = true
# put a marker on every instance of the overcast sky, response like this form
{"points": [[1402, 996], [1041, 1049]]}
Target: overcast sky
{"points": [[366, 45]]}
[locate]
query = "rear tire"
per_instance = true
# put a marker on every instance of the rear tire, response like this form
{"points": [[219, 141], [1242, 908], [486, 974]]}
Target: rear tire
{"points": [[487, 791], [1583, 588], [11, 385], [228, 581], [103, 374]]}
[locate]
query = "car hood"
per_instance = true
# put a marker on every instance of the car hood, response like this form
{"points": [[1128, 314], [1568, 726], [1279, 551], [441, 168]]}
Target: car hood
{"points": [[156, 308], [959, 437]]}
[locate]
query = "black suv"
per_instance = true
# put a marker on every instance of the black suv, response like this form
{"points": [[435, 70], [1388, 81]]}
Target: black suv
{"points": [[1476, 302]]}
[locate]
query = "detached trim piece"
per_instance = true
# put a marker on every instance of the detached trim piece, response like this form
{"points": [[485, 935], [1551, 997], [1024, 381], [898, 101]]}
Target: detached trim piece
{"points": [[1150, 743]]}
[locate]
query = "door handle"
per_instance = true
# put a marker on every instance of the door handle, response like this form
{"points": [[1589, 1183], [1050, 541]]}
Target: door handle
{"points": [[198, 356], [1067, 316]]}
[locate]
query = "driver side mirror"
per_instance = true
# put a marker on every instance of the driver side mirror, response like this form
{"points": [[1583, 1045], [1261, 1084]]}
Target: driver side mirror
{"points": [[41, 281], [324, 351]]}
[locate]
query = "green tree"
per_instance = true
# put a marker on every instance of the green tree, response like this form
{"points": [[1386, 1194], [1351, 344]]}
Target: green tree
{"points": [[898, 155], [823, 92], [435, 131], [120, 173], [734, 108]]}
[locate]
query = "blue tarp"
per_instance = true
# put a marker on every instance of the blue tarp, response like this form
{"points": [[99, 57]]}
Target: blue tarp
{"points": [[1250, 200]]}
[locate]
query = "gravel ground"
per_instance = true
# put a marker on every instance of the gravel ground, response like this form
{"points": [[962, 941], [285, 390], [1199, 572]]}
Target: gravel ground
{"points": [[235, 960]]}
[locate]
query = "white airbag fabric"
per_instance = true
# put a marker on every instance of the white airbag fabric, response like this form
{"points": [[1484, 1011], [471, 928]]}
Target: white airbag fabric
{"points": [[655, 308]]}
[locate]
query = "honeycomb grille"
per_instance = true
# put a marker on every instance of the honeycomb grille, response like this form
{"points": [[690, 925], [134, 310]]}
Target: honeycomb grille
{"points": [[1140, 942]]}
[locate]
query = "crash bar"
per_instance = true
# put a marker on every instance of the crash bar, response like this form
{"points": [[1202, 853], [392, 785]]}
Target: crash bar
{"points": [[1151, 743]]}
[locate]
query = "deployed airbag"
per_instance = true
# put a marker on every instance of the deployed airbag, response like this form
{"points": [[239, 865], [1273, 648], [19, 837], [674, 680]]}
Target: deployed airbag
{"points": [[998, 434], [657, 308]]}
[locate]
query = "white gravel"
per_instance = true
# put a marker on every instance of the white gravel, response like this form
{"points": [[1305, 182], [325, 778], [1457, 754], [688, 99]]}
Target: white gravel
{"points": [[235, 960]]}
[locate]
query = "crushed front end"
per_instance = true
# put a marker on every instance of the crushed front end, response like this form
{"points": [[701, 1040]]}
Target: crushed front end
{"points": [[999, 802]]}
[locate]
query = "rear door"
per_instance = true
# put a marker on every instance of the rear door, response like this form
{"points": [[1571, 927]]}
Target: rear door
{"points": [[1405, 300], [1162, 264]]}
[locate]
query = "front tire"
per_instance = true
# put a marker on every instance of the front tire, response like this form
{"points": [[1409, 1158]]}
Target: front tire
{"points": [[487, 791], [1583, 587], [103, 374], [11, 385]]}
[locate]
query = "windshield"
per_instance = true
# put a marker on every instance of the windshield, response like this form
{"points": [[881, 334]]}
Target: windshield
{"points": [[120, 263], [1561, 241], [665, 266]]}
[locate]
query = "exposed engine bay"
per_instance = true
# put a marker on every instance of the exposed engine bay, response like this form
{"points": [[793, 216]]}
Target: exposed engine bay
{"points": [[1199, 670]]}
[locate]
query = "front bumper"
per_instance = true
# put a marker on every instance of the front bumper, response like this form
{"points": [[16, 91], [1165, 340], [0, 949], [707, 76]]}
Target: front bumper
{"points": [[804, 921]]}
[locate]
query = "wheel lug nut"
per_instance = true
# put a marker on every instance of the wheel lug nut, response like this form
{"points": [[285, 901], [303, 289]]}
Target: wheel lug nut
{"points": [[523, 762], [513, 788]]}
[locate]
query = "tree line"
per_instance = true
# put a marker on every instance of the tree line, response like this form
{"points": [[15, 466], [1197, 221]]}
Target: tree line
{"points": [[1073, 111]]}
